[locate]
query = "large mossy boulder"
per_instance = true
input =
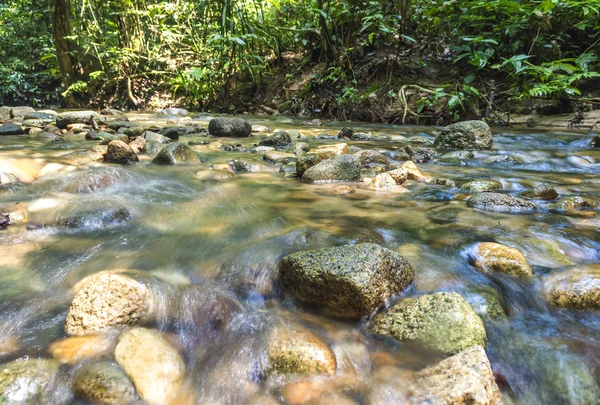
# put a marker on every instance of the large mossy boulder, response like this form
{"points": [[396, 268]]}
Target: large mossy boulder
{"points": [[470, 135], [500, 203], [155, 367], [103, 383], [28, 381], [463, 379], [491, 257], [443, 322], [231, 127], [340, 168], [351, 280], [575, 288], [113, 300], [295, 350], [75, 117], [175, 154]]}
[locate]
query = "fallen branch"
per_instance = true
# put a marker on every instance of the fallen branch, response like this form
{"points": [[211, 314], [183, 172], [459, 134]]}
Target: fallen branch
{"points": [[402, 95]]}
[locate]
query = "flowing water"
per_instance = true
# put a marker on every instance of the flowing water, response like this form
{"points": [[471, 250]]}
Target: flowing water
{"points": [[183, 225]]}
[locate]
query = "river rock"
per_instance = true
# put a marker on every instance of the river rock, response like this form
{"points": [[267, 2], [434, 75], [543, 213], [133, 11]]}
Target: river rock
{"points": [[173, 133], [260, 128], [233, 127], [299, 148], [278, 139], [113, 112], [117, 125], [500, 203], [39, 115], [383, 181], [204, 306], [489, 257], [351, 280], [412, 171], [275, 156], [175, 154], [576, 288], [458, 155], [340, 168], [595, 143], [443, 322], [399, 175], [574, 203], [480, 186], [19, 113], [102, 136], [316, 156], [370, 156], [120, 152], [175, 111], [463, 379], [103, 383], [75, 117], [78, 158], [246, 166], [295, 350], [11, 129], [471, 135], [5, 112], [155, 367], [442, 181], [77, 349], [28, 381], [541, 192], [48, 137], [138, 144], [112, 300]]}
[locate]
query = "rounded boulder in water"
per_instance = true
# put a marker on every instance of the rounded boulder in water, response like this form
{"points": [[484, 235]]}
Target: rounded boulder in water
{"points": [[231, 127], [470, 135]]}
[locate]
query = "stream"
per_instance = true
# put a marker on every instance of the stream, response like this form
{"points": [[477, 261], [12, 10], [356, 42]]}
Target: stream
{"points": [[185, 225]]}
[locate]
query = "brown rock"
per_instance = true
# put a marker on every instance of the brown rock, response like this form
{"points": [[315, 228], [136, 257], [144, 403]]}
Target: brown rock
{"points": [[489, 257], [399, 175], [77, 349], [138, 144], [412, 171], [120, 152], [577, 288]]}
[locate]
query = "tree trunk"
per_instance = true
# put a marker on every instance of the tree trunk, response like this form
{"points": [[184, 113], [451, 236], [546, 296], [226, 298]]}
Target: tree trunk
{"points": [[325, 35], [61, 29]]}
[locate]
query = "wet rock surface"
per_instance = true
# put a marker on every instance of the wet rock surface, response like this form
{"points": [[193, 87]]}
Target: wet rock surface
{"points": [[350, 280], [104, 383], [489, 257], [176, 153], [340, 168], [472, 135], [501, 203], [577, 288], [231, 127]]}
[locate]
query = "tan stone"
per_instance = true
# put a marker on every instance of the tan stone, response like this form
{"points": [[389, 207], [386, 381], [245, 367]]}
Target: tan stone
{"points": [[463, 379], [294, 350], [316, 390], [577, 288], [154, 366], [77, 349], [399, 175], [383, 181], [489, 257], [412, 171]]}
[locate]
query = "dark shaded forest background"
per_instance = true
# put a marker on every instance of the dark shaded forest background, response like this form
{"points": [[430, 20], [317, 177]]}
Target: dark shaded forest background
{"points": [[410, 61]]}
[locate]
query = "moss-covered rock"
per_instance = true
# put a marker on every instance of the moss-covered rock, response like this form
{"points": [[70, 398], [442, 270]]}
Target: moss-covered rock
{"points": [[463, 379], [577, 288], [340, 168], [480, 186], [316, 156], [574, 203], [500, 203], [489, 257], [370, 156], [173, 132], [275, 156], [232, 127], [350, 280], [443, 322], [541, 192], [175, 154], [471, 135], [295, 350], [278, 139], [28, 381], [103, 383], [442, 181]]}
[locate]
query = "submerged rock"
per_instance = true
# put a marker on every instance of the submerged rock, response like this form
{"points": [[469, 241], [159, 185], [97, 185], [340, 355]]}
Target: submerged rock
{"points": [[174, 111], [443, 322], [463, 379], [595, 143], [471, 135], [541, 192], [75, 117], [173, 133], [203, 306], [275, 156], [500, 203], [370, 156], [233, 127], [77, 349], [489, 257], [577, 288], [154, 366], [103, 383], [351, 280], [295, 350], [340, 168], [78, 158], [278, 139], [480, 186], [574, 203], [442, 181], [28, 381], [112, 300], [120, 152], [176, 153]]}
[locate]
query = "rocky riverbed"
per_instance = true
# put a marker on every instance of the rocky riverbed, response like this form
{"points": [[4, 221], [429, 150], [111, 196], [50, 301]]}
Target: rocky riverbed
{"points": [[187, 259]]}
